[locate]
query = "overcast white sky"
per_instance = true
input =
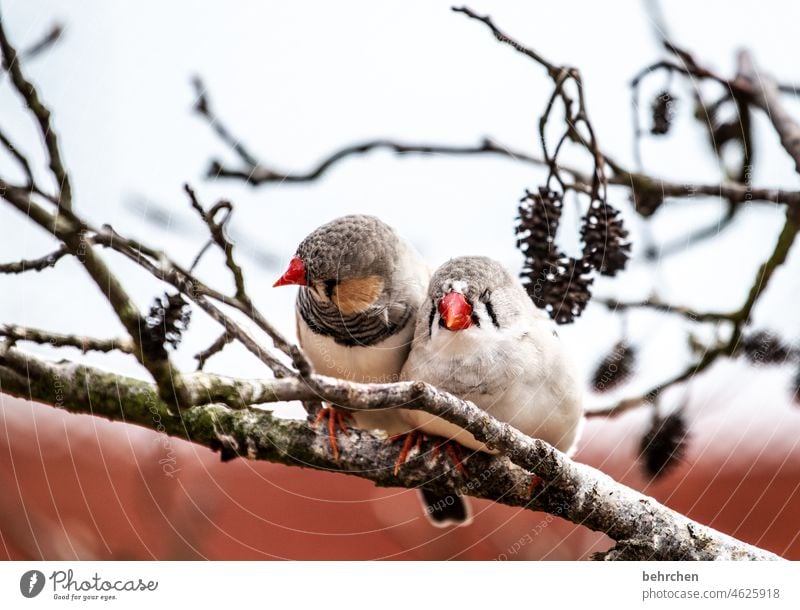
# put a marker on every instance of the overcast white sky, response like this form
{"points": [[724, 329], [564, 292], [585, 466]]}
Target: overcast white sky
{"points": [[296, 80]]}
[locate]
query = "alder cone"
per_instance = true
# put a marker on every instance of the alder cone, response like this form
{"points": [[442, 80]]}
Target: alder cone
{"points": [[557, 283], [164, 325], [616, 367], [664, 444], [605, 239]]}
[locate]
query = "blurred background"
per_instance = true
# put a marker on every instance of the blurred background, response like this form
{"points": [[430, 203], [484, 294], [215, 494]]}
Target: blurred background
{"points": [[295, 82]]}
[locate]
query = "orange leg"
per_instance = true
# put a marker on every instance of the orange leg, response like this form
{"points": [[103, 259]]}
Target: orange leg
{"points": [[454, 452], [414, 439], [536, 481], [409, 439], [335, 417]]}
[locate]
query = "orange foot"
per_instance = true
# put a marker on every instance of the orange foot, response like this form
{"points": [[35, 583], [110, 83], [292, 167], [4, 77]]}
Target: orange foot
{"points": [[453, 450], [335, 418], [410, 439], [536, 480], [415, 438]]}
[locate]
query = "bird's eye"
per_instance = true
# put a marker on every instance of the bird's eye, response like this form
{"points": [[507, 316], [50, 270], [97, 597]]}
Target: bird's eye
{"points": [[486, 299], [330, 285]]}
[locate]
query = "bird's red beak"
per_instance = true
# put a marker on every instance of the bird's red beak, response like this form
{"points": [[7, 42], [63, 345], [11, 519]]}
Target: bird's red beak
{"points": [[455, 311], [295, 274]]}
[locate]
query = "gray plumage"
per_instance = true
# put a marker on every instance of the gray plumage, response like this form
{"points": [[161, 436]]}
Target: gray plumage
{"points": [[356, 315], [349, 247], [509, 361], [376, 324]]}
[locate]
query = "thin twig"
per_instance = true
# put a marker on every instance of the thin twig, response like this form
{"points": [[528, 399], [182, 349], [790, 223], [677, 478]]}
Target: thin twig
{"points": [[575, 115], [30, 95], [48, 39], [216, 347], [13, 150], [217, 230], [162, 267], [766, 96], [256, 173], [67, 227], [35, 264], [202, 106], [738, 318], [15, 333], [259, 173], [552, 69], [663, 307]]}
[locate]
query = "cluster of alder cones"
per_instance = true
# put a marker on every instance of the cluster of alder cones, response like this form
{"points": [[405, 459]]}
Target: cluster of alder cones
{"points": [[558, 283]]}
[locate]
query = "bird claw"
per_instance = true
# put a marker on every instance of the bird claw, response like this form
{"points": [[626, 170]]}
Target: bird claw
{"points": [[414, 439], [536, 481], [453, 450], [335, 418], [410, 439]]}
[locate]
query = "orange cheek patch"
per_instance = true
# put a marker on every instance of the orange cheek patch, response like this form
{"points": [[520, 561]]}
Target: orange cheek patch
{"points": [[354, 296]]}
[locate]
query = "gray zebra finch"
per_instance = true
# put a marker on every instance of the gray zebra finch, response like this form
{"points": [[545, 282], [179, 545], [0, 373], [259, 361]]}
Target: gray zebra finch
{"points": [[479, 336], [360, 288]]}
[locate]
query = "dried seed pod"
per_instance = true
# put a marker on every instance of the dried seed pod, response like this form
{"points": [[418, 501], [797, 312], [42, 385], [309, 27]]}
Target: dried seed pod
{"points": [[605, 239], [647, 201], [557, 283], [565, 288], [537, 224], [764, 347], [663, 107], [164, 325], [615, 368], [664, 444]]}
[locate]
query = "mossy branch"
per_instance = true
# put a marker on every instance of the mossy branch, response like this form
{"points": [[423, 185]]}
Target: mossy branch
{"points": [[222, 420]]}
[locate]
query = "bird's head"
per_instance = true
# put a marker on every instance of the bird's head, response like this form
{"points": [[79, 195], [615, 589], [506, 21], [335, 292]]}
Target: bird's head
{"points": [[471, 292], [348, 262]]}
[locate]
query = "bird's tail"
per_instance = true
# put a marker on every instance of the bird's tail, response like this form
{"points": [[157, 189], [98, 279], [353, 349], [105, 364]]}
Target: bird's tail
{"points": [[445, 509]]}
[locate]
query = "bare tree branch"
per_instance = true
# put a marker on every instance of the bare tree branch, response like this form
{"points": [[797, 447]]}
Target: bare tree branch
{"points": [[15, 333], [738, 193], [739, 319], [216, 347], [71, 231], [45, 43], [166, 270], [766, 96], [257, 173], [29, 94], [664, 307], [573, 491], [217, 230], [36, 264], [260, 174], [18, 157], [202, 106], [575, 115]]}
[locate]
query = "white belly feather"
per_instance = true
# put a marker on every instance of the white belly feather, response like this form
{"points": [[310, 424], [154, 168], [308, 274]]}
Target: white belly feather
{"points": [[379, 363], [526, 382]]}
